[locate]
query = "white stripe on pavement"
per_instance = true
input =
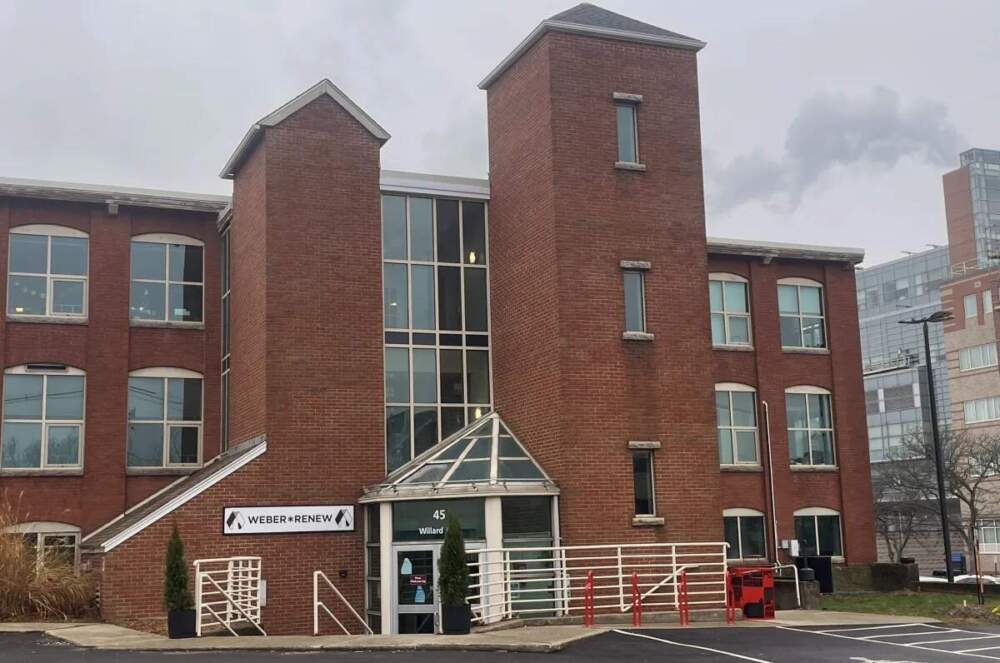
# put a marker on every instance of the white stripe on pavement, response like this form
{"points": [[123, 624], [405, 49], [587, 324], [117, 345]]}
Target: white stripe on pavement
{"points": [[871, 628], [902, 635], [934, 642], [895, 644], [684, 644]]}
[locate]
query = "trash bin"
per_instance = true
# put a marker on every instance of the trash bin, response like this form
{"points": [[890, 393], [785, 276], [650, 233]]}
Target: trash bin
{"points": [[753, 591], [822, 566]]}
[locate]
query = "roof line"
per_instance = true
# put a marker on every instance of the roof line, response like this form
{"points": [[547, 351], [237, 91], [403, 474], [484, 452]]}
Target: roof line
{"points": [[103, 194], [722, 245], [686, 43], [324, 88]]}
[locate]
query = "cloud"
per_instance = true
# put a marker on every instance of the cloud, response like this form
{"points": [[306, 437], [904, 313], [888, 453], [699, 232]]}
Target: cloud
{"points": [[875, 130]]}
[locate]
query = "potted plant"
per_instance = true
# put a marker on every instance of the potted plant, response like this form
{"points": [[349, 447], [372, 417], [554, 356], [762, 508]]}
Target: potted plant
{"points": [[176, 595], [453, 581]]}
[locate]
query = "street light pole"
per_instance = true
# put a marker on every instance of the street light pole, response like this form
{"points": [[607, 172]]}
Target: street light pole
{"points": [[939, 316]]}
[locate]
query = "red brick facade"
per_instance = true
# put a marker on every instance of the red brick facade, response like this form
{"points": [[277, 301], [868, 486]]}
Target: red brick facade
{"points": [[307, 342]]}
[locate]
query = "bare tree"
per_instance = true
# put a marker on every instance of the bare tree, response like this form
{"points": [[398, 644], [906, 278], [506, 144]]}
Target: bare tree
{"points": [[898, 516], [971, 464]]}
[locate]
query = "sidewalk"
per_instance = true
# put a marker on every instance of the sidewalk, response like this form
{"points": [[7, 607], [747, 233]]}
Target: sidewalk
{"points": [[521, 639]]}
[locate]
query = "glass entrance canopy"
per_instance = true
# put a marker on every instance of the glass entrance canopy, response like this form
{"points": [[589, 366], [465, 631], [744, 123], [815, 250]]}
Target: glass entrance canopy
{"points": [[484, 458]]}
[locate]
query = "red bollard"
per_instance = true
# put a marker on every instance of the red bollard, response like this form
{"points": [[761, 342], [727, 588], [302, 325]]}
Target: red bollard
{"points": [[588, 600], [636, 601], [685, 611], [730, 600]]}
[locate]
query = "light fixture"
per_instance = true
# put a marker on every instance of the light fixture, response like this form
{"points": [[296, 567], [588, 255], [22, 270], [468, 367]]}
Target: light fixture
{"points": [[472, 257]]}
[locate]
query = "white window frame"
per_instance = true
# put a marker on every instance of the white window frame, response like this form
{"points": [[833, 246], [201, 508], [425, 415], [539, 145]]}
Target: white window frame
{"points": [[50, 231], [167, 239], [976, 357], [165, 373], [724, 277], [44, 421], [809, 429], [632, 102], [813, 512], [43, 529], [989, 547], [987, 302], [971, 305], [739, 514], [990, 407], [729, 388], [800, 283], [641, 273]]}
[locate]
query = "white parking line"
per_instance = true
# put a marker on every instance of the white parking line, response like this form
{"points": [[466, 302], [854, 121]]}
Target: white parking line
{"points": [[967, 652], [903, 635], [934, 642], [684, 644], [872, 628]]}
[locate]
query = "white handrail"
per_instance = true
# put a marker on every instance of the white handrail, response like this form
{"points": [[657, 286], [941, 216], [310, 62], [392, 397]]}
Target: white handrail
{"points": [[795, 570], [317, 604], [236, 586]]}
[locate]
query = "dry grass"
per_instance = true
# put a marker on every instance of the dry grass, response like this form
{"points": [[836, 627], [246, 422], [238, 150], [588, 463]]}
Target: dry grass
{"points": [[29, 590]]}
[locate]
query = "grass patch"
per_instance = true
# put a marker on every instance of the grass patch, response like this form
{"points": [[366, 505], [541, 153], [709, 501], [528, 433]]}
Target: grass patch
{"points": [[916, 604]]}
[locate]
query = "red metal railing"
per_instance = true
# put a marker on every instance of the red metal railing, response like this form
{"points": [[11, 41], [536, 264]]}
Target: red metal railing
{"points": [[683, 605], [636, 601], [588, 600]]}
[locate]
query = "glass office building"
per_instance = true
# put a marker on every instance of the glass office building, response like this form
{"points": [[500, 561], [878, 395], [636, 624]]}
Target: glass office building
{"points": [[896, 394], [984, 190]]}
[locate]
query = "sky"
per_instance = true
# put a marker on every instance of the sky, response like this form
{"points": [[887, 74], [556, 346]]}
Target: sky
{"points": [[827, 121]]}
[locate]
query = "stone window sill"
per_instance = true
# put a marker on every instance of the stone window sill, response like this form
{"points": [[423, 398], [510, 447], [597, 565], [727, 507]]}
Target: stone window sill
{"points": [[642, 445], [647, 521], [814, 468], [630, 165], [734, 348], [161, 324], [806, 351], [741, 468], [37, 472], [637, 336], [48, 319], [160, 471]]}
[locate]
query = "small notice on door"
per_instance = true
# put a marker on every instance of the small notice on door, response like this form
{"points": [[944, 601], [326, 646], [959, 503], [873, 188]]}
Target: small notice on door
{"points": [[418, 580]]}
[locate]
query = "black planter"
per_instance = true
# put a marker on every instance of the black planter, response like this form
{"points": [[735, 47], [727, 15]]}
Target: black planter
{"points": [[181, 623], [456, 619]]}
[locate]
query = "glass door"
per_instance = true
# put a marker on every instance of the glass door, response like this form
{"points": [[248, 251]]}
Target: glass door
{"points": [[416, 590]]}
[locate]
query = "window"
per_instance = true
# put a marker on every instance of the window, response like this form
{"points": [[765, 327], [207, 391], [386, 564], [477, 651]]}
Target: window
{"points": [[982, 409], [42, 418], [978, 356], [810, 426], [987, 302], [635, 301], [628, 140], [436, 320], [744, 530], [736, 416], [970, 302], [989, 536], [167, 279], [730, 308], [642, 477], [164, 418], [47, 272], [818, 532], [800, 305], [50, 542]]}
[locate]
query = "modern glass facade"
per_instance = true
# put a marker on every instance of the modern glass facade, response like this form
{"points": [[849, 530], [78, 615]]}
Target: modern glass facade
{"points": [[893, 354], [436, 320], [984, 185]]}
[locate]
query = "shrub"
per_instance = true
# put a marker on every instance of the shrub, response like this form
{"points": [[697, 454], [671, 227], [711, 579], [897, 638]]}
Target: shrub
{"points": [[453, 569], [38, 588], [176, 595]]}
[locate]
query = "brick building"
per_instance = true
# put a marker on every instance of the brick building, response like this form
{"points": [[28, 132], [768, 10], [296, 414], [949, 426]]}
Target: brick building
{"points": [[559, 336]]}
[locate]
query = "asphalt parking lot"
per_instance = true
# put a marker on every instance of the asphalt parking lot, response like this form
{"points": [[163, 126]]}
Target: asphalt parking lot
{"points": [[899, 643]]}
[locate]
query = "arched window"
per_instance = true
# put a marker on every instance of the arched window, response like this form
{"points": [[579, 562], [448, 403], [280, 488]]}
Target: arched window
{"points": [[809, 411], [801, 312], [729, 300], [818, 531], [745, 533], [736, 419], [164, 418], [47, 272], [168, 274], [43, 413]]}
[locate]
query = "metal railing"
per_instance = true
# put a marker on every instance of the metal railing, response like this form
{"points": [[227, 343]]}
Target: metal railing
{"points": [[318, 604], [227, 593], [526, 582]]}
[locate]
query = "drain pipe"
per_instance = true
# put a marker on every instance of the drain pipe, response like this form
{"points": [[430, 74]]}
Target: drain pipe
{"points": [[770, 479]]}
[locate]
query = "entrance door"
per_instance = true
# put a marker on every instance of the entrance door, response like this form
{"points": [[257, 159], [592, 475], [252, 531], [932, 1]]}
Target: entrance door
{"points": [[416, 589]]}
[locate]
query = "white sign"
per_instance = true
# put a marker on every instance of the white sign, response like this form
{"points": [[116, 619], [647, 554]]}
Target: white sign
{"points": [[287, 519]]}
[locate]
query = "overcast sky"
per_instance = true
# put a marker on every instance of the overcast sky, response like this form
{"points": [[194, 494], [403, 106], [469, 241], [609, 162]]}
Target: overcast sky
{"points": [[822, 121]]}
